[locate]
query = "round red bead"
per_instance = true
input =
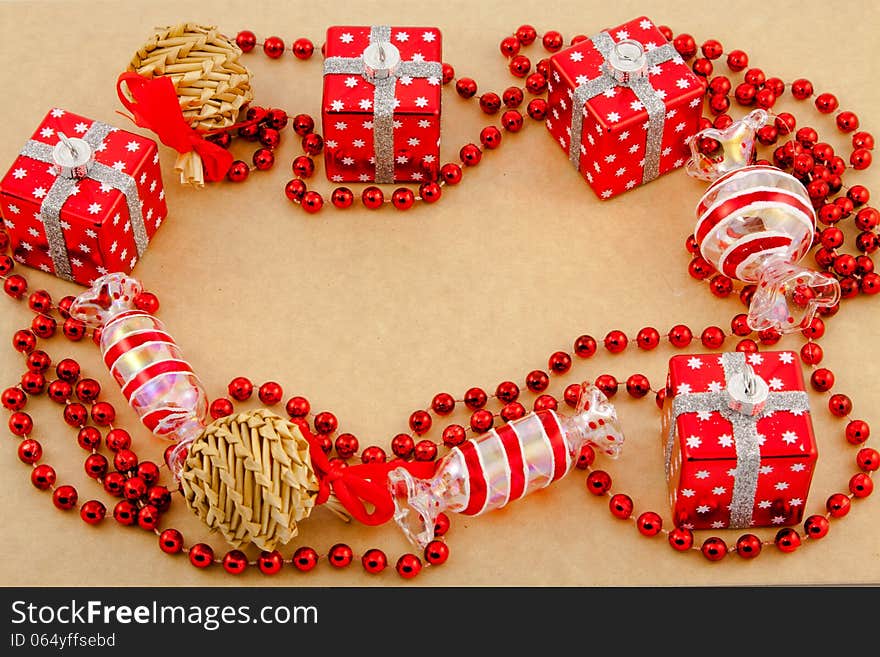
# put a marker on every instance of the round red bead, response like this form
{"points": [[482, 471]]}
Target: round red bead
{"points": [[822, 379], [270, 563], [402, 445], [92, 512], [816, 526], [585, 346], [714, 548], [482, 420], [372, 197], [454, 435], [303, 48], [598, 482], [408, 566], [273, 46], [235, 562], [325, 423], [373, 454], [649, 523], [374, 561], [861, 484], [512, 411], [475, 398], [340, 555], [681, 539], [436, 553], [64, 497], [637, 385], [748, 546], [868, 459], [857, 431], [838, 505], [201, 555], [403, 198], [680, 336], [305, 558], [30, 451], [537, 381], [616, 341], [342, 197], [787, 540], [621, 506]]}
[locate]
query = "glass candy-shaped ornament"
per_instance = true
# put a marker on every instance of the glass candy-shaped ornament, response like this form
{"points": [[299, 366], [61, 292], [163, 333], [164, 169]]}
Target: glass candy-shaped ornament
{"points": [[505, 464], [754, 224], [145, 361]]}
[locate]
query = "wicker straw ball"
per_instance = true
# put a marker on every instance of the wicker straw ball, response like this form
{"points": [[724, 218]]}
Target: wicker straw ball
{"points": [[249, 476], [212, 85]]}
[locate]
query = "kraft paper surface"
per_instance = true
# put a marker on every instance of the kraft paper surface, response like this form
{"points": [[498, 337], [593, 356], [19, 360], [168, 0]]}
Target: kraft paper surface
{"points": [[369, 314]]}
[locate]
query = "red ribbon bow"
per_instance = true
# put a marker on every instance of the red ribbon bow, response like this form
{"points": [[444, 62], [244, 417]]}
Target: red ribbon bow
{"points": [[354, 485], [154, 106]]}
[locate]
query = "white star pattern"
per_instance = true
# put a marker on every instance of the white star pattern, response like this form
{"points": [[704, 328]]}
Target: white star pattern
{"points": [[645, 24], [755, 359], [798, 467], [725, 440], [610, 158], [405, 80], [39, 192], [26, 246], [782, 485], [577, 56], [94, 208], [556, 115], [101, 270], [116, 219], [33, 232], [633, 148], [786, 357], [44, 267], [80, 127], [114, 246], [682, 83], [402, 36], [764, 504], [609, 93], [123, 254], [695, 363], [132, 262], [348, 161], [620, 35], [93, 234], [671, 113], [704, 508], [590, 139], [705, 416], [365, 103], [346, 37], [778, 520], [636, 105], [789, 437], [351, 82], [428, 159], [694, 102], [688, 492], [607, 193], [76, 262], [597, 167], [620, 172], [64, 225], [418, 57], [775, 383], [119, 165], [47, 132], [731, 472], [433, 80], [126, 227], [693, 441], [655, 70], [132, 146], [336, 178], [702, 474], [795, 501], [19, 173], [429, 37], [765, 469], [581, 79], [358, 143], [397, 124], [630, 184], [761, 439], [718, 524], [417, 176], [143, 178], [57, 113], [678, 163], [421, 101], [666, 151], [84, 248], [161, 194], [683, 389], [105, 188], [341, 125], [424, 123], [681, 126], [337, 106], [364, 177], [150, 213], [413, 141], [401, 159], [331, 143], [155, 157], [719, 490], [715, 386], [152, 186]]}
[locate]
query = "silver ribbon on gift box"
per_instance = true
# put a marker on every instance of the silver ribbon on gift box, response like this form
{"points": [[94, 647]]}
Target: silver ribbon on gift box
{"points": [[745, 432], [384, 92], [64, 186], [610, 78]]}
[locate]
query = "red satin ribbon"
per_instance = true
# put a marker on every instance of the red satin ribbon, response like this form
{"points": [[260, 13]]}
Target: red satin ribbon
{"points": [[155, 107], [354, 485]]}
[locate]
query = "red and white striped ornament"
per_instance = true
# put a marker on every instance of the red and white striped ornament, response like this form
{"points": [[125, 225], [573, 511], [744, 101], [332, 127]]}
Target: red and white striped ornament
{"points": [[504, 464]]}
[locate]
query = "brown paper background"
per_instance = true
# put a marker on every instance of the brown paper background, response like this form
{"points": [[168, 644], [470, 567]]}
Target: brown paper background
{"points": [[369, 314]]}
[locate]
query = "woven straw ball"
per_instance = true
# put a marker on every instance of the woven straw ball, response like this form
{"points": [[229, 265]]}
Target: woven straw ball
{"points": [[249, 476], [212, 85]]}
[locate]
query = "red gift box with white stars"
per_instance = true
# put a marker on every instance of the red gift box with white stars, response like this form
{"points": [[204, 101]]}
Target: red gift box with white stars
{"points": [[619, 146], [708, 467], [83, 229], [412, 140]]}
